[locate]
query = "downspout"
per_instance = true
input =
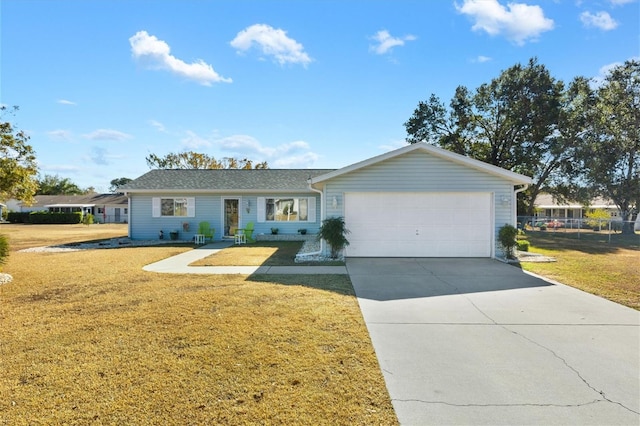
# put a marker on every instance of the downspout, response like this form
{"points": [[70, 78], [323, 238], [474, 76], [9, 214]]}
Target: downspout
{"points": [[316, 253], [515, 203], [129, 225]]}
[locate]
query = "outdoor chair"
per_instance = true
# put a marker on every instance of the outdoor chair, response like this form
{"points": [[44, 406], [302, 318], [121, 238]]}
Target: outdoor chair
{"points": [[205, 229], [244, 235]]}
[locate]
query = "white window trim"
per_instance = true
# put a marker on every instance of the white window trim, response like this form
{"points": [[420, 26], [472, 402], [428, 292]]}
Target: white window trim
{"points": [[262, 210], [156, 208]]}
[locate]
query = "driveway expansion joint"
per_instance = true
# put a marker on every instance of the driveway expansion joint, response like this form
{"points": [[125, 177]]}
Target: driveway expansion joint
{"points": [[524, 404]]}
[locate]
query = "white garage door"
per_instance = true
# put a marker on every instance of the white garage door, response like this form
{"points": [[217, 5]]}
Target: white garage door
{"points": [[418, 224]]}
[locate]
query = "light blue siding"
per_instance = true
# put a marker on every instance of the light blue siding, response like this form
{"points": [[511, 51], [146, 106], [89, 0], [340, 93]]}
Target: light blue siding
{"points": [[419, 171], [208, 207]]}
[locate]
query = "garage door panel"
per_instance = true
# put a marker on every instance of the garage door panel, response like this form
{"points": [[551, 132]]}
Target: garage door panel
{"points": [[419, 224]]}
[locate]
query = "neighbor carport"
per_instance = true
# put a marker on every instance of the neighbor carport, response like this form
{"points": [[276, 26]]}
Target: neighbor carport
{"points": [[477, 341]]}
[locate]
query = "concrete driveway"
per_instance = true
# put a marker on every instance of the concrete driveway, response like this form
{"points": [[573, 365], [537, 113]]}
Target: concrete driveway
{"points": [[477, 341]]}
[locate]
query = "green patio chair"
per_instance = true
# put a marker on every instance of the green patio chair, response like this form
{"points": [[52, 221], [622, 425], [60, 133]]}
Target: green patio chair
{"points": [[205, 229], [247, 231]]}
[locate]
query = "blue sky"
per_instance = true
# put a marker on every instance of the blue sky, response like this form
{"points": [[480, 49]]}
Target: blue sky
{"points": [[306, 84]]}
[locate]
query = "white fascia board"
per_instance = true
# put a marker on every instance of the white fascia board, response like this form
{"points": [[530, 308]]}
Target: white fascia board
{"points": [[218, 191], [68, 205]]}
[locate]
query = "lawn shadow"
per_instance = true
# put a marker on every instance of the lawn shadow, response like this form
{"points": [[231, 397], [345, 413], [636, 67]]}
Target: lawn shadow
{"points": [[285, 255], [340, 284]]}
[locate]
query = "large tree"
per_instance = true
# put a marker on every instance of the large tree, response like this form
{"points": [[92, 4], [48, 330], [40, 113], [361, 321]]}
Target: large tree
{"points": [[196, 160], [56, 185], [115, 184], [611, 156], [18, 167], [511, 122]]}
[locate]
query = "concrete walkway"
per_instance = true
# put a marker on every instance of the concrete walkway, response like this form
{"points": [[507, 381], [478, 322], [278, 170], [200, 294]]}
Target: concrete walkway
{"points": [[179, 264]]}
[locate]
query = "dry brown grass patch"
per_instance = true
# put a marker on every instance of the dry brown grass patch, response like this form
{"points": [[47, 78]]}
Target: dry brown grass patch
{"points": [[23, 236], [608, 270], [89, 336]]}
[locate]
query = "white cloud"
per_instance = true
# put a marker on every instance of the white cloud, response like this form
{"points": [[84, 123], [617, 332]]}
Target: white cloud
{"points": [[158, 126], [60, 135], [193, 141], [620, 2], [393, 145], [518, 22], [482, 59], [601, 20], [271, 42], [157, 55], [61, 168], [305, 160], [107, 134], [605, 70], [295, 154], [66, 102], [385, 42]]}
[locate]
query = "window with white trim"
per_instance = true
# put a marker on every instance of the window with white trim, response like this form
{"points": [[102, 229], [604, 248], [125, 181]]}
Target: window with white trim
{"points": [[287, 209], [174, 207]]}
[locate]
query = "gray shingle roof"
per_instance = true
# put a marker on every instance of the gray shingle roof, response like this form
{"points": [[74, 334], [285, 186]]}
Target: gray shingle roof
{"points": [[46, 200], [223, 180]]}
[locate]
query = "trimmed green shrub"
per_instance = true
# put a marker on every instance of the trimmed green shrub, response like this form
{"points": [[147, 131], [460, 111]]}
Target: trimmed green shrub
{"points": [[4, 248], [523, 245], [55, 218], [18, 217], [87, 219], [334, 232], [507, 239]]}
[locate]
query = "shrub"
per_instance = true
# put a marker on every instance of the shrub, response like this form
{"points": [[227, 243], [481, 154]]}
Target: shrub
{"points": [[55, 218], [18, 217], [507, 239], [4, 248], [523, 245], [598, 218], [87, 219], [334, 232]]}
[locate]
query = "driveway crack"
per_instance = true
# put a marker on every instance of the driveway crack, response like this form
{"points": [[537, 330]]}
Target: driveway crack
{"points": [[577, 373], [551, 351]]}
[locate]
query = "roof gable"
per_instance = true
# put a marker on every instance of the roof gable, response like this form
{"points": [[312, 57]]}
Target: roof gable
{"points": [[516, 178]]}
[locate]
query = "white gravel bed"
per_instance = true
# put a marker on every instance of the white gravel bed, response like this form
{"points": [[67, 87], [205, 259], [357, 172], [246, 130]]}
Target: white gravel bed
{"points": [[5, 278], [312, 246], [107, 244]]}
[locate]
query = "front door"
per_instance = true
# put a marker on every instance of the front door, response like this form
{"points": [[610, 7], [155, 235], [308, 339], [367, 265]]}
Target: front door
{"points": [[231, 216], [117, 214]]}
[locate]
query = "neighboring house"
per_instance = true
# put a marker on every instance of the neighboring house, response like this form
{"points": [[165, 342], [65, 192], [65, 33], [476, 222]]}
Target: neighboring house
{"points": [[416, 201], [105, 208], [547, 207], [2, 209]]}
